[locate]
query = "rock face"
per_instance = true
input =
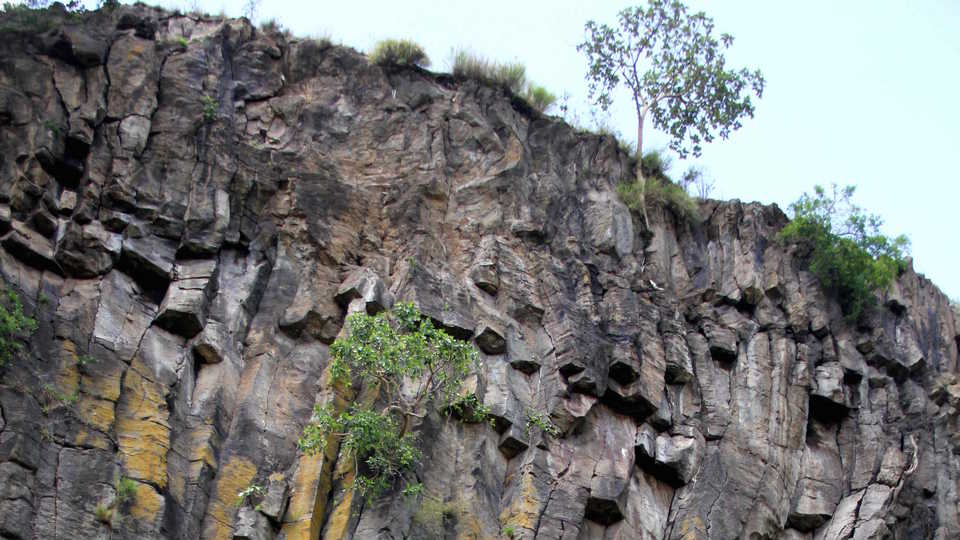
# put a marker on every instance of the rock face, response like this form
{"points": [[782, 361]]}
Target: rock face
{"points": [[191, 224]]}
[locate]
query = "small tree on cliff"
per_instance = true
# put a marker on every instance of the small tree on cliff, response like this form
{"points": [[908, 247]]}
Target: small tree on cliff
{"points": [[674, 68], [412, 362]]}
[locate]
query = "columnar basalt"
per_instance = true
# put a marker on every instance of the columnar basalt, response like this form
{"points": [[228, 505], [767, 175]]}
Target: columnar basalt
{"points": [[190, 221]]}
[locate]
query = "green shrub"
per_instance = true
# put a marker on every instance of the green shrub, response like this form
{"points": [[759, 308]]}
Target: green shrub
{"points": [[539, 97], [509, 531], [656, 164], [844, 247], [250, 492], [659, 191], [434, 516], [210, 106], [126, 491], [541, 421], [103, 513], [395, 349], [399, 52], [34, 16], [15, 327]]}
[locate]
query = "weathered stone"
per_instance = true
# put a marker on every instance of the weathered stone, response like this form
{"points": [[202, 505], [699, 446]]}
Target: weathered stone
{"points": [[437, 296], [490, 338], [522, 357], [318, 318], [30, 247], [484, 276], [891, 467], [513, 441], [257, 71], [252, 525], [676, 459], [77, 45], [275, 499], [679, 365], [366, 284], [89, 250], [723, 342], [184, 308], [133, 60], [133, 132], [829, 397], [819, 489]]}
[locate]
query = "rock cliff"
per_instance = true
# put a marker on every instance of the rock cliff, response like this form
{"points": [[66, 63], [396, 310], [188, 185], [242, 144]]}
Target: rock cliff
{"points": [[191, 206]]}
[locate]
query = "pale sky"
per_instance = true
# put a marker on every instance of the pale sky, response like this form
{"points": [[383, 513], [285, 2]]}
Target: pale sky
{"points": [[858, 92]]}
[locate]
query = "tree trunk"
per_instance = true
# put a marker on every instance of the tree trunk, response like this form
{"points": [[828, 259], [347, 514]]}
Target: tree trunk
{"points": [[639, 172]]}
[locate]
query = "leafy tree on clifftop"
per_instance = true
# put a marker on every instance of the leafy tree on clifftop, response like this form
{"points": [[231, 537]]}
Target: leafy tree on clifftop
{"points": [[844, 247], [674, 68]]}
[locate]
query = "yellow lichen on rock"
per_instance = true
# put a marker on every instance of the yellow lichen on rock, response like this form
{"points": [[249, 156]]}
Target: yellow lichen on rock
{"points": [[106, 383], [68, 378], [336, 526], [148, 506], [143, 434], [523, 511], [693, 528], [234, 477], [96, 413]]}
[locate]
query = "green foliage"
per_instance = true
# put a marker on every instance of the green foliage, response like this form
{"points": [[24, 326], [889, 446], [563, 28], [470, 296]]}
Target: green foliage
{"points": [[210, 105], [434, 516], [52, 127], [658, 189], [509, 531], [104, 513], [655, 164], [469, 409], [35, 17], [394, 349], [182, 42], [675, 70], [15, 327], [249, 492], [85, 360], [399, 52], [57, 395], [844, 247], [126, 491], [539, 97], [662, 192], [541, 421]]}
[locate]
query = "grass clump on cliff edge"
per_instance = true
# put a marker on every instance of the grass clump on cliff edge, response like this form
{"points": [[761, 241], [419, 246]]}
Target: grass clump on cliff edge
{"points": [[399, 52], [658, 189], [511, 76], [844, 247], [539, 97]]}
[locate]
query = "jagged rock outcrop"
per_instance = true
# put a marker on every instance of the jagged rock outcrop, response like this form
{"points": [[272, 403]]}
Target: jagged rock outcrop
{"points": [[190, 221]]}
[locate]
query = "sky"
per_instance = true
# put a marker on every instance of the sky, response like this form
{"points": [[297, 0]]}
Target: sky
{"points": [[857, 92]]}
